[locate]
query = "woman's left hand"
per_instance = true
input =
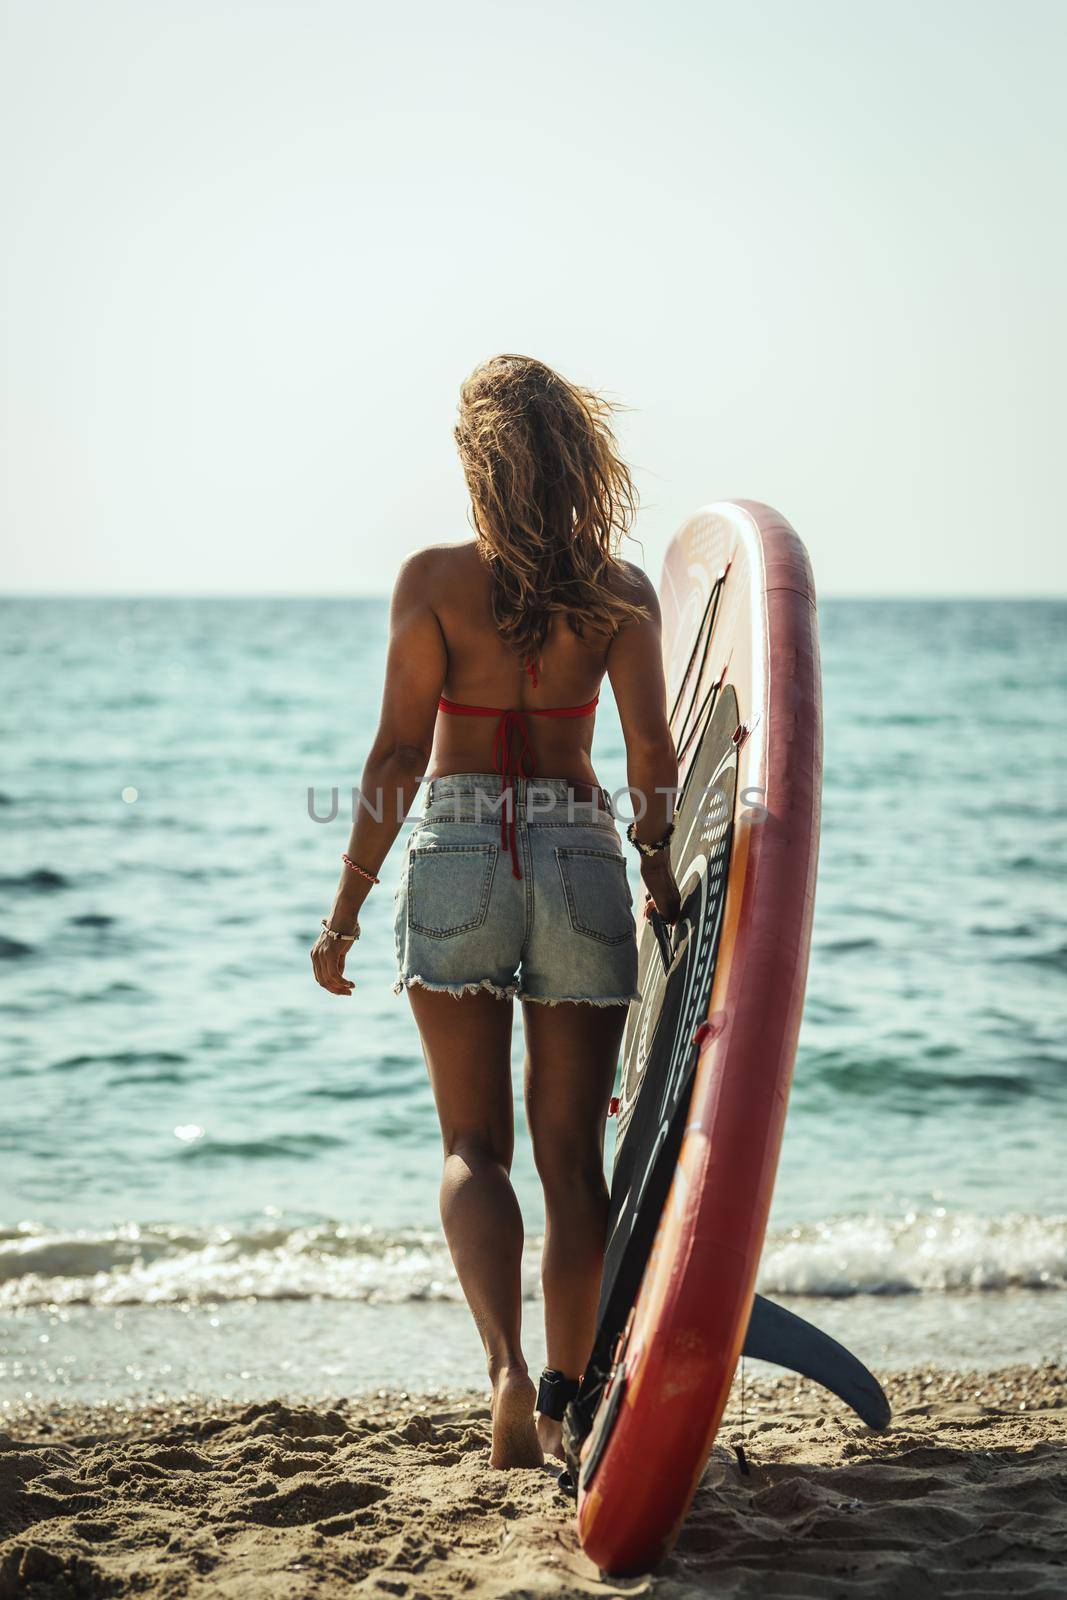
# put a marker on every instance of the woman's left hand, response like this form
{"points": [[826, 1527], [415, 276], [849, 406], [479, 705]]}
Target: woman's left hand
{"points": [[657, 874], [328, 961]]}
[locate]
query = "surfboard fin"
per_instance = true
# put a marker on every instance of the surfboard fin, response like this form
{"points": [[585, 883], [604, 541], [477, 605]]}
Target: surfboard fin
{"points": [[777, 1335]]}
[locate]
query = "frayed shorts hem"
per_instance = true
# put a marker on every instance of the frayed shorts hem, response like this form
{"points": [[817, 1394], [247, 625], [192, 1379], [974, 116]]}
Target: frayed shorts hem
{"points": [[578, 999], [457, 990], [511, 991]]}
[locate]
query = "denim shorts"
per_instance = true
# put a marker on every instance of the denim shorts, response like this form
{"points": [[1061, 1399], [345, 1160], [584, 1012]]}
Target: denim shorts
{"points": [[564, 931]]}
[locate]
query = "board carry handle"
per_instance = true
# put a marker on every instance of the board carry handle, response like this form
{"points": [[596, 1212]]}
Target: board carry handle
{"points": [[779, 1336], [663, 940]]}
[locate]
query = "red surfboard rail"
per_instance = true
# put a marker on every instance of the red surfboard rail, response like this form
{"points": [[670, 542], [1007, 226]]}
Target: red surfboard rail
{"points": [[671, 1379]]}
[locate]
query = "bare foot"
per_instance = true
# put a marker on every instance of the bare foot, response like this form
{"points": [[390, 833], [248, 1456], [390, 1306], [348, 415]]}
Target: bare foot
{"points": [[515, 1442], [550, 1433]]}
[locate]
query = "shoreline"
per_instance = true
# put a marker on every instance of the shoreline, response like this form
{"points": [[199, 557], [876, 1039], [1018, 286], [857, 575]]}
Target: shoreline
{"points": [[964, 1493], [254, 1349]]}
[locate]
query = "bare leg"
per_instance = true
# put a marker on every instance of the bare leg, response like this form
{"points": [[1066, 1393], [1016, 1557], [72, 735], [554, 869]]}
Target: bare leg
{"points": [[467, 1045], [571, 1054]]}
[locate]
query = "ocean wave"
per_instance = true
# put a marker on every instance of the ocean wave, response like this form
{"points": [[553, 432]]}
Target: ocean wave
{"points": [[14, 949], [40, 880], [1055, 958], [932, 1072], [929, 1252], [922, 1252], [136, 1265], [282, 1147], [119, 1058]]}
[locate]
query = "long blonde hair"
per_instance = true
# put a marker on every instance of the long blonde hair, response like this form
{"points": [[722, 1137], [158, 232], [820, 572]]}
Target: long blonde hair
{"points": [[552, 500]]}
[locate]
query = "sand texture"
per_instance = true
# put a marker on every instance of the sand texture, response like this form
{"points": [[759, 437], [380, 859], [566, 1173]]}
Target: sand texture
{"points": [[965, 1495]]}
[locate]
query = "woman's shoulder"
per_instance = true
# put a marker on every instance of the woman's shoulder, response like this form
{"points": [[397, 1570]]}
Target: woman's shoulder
{"points": [[439, 565], [630, 580], [632, 584]]}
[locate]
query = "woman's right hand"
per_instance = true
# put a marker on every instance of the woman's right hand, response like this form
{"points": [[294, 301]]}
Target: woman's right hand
{"points": [[662, 890], [328, 962]]}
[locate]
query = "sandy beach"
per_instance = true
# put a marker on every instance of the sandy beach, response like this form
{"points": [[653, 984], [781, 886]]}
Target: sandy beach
{"points": [[966, 1494]]}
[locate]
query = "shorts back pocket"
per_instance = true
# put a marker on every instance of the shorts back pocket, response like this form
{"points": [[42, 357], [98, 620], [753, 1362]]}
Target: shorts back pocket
{"points": [[597, 893], [449, 887]]}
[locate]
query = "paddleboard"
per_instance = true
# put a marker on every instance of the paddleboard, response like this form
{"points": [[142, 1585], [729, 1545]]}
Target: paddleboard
{"points": [[708, 1053]]}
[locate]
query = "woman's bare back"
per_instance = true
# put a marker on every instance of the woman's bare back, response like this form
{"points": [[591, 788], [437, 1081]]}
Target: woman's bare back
{"points": [[483, 671]]}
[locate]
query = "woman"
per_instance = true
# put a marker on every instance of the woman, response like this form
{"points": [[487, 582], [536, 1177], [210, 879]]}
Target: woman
{"points": [[514, 881]]}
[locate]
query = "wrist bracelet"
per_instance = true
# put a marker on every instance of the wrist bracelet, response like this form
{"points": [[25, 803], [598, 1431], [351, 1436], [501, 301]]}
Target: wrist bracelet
{"points": [[345, 938], [354, 866], [649, 849]]}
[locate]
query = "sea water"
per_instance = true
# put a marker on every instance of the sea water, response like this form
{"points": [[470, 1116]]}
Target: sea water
{"points": [[216, 1176]]}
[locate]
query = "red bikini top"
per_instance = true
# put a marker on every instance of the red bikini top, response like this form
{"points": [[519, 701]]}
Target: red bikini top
{"points": [[509, 723]]}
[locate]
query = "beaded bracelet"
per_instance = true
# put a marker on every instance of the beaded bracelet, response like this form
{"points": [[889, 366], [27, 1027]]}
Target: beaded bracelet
{"points": [[649, 849], [354, 866], [345, 938]]}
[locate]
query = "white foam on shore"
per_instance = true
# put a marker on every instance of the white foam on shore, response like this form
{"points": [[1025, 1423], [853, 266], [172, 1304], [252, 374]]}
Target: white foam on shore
{"points": [[921, 1252], [930, 1252]]}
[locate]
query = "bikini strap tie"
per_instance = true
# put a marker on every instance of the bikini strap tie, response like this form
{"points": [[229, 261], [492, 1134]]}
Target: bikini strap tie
{"points": [[513, 727]]}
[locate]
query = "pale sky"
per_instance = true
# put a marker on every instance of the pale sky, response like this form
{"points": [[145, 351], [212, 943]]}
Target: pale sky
{"points": [[817, 246]]}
